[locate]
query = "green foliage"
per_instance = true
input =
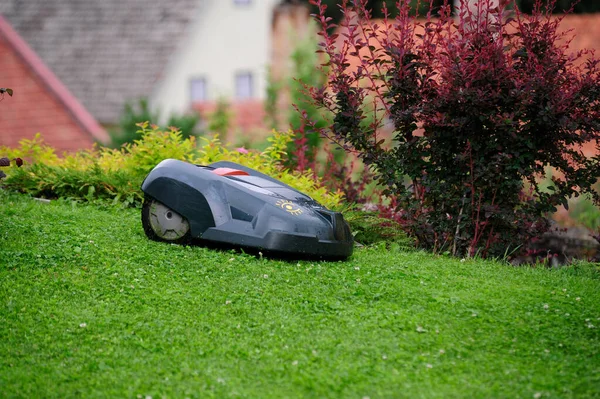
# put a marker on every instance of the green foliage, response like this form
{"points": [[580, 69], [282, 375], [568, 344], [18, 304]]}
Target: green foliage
{"points": [[270, 162], [6, 162], [369, 228], [272, 117], [186, 124], [306, 119], [584, 212], [153, 146], [91, 183], [306, 72], [132, 116], [115, 175], [91, 308], [33, 150], [220, 120]]}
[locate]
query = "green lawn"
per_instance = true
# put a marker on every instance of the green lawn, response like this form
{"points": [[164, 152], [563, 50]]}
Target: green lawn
{"points": [[90, 308]]}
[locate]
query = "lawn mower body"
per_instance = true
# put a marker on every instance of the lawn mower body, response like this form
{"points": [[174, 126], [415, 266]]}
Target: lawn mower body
{"points": [[231, 204]]}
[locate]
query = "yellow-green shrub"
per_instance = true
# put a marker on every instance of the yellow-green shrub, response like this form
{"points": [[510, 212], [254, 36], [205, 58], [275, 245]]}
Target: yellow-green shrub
{"points": [[269, 162], [34, 150], [116, 174]]}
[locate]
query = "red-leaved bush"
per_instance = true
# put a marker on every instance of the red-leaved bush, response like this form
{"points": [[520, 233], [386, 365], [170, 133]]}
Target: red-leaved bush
{"points": [[481, 102]]}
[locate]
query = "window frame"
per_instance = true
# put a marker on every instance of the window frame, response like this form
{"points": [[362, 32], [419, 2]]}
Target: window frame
{"points": [[246, 92], [192, 89]]}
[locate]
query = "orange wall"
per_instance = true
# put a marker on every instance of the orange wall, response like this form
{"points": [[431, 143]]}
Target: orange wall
{"points": [[33, 108]]}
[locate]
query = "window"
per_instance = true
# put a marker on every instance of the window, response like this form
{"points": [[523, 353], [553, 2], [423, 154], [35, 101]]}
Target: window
{"points": [[243, 85], [198, 92]]}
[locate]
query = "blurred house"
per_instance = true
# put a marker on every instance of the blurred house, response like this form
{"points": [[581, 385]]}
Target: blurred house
{"points": [[180, 55], [41, 103]]}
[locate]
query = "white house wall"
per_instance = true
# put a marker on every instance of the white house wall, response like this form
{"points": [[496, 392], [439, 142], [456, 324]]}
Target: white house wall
{"points": [[226, 38]]}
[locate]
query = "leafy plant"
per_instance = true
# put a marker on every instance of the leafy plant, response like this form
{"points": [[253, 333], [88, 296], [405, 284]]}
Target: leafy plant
{"points": [[584, 212], [32, 150], [220, 120], [304, 72], [270, 162], [4, 162], [479, 108], [115, 175], [133, 115], [370, 228], [274, 87]]}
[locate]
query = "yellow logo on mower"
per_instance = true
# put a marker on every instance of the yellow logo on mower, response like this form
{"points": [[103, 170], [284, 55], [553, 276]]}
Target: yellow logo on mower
{"points": [[289, 207]]}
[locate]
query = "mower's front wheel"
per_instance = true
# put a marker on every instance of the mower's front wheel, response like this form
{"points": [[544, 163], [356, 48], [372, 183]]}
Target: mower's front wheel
{"points": [[164, 224]]}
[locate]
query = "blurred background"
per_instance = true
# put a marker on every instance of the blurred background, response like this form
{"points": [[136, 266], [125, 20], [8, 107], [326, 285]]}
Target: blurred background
{"points": [[86, 71]]}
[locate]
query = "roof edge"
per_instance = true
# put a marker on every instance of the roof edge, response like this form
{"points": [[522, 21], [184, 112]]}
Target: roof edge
{"points": [[75, 108]]}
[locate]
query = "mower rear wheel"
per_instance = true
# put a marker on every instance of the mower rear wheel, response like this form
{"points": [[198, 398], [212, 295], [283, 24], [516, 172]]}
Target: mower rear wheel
{"points": [[164, 224]]}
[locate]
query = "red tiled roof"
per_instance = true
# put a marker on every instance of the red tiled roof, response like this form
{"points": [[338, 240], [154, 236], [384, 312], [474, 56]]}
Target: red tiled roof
{"points": [[41, 103]]}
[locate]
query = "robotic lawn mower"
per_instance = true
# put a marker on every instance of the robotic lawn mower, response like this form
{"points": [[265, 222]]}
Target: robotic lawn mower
{"points": [[227, 203]]}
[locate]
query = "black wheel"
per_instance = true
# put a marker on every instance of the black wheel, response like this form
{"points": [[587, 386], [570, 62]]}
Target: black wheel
{"points": [[164, 224]]}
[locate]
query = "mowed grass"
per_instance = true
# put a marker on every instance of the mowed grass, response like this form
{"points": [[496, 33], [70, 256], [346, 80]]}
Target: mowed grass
{"points": [[90, 308]]}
